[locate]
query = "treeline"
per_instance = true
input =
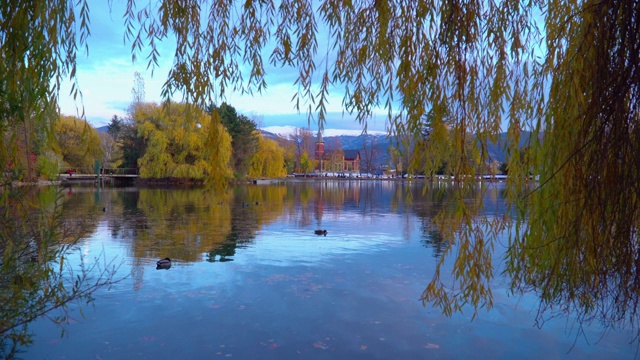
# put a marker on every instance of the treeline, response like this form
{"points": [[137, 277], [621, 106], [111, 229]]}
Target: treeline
{"points": [[169, 141]]}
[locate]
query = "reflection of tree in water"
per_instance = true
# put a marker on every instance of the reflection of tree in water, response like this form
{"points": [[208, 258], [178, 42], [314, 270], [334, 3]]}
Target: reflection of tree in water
{"points": [[243, 228], [587, 280], [39, 231], [248, 214], [135, 220], [239, 236], [432, 238], [427, 205]]}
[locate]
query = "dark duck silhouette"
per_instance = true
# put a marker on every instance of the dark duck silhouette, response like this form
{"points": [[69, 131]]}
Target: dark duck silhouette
{"points": [[321, 232], [163, 264]]}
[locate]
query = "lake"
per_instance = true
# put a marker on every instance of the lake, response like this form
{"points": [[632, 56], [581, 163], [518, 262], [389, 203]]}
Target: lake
{"points": [[250, 279]]}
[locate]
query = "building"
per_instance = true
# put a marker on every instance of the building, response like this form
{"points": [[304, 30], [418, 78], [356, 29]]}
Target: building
{"points": [[351, 161], [339, 161]]}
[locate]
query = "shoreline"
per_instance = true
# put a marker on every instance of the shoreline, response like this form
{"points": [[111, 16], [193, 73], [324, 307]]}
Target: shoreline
{"points": [[264, 181]]}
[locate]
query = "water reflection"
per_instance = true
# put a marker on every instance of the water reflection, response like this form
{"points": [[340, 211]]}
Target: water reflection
{"points": [[184, 224], [432, 238], [37, 279], [250, 262]]}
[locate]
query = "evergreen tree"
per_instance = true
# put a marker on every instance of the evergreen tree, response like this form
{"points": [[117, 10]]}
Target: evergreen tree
{"points": [[243, 134]]}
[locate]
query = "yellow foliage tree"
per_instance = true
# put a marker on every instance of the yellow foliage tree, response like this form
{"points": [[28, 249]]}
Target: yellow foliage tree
{"points": [[178, 143], [218, 154], [78, 143], [268, 161], [306, 163]]}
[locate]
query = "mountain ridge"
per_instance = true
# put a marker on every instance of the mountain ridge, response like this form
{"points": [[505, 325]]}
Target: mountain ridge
{"points": [[382, 144], [496, 150]]}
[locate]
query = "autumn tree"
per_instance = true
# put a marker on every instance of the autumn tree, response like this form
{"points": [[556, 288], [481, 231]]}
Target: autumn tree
{"points": [[290, 156], [307, 164], [268, 161], [78, 143], [176, 137]]}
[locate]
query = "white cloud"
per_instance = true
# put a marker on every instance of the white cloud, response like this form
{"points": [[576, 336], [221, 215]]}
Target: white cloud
{"points": [[106, 78]]}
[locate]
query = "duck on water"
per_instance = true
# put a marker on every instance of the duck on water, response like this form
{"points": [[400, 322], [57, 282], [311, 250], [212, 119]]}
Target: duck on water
{"points": [[163, 264]]}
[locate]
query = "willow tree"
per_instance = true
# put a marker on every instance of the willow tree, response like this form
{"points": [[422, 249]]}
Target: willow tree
{"points": [[567, 72], [78, 143], [176, 136], [269, 159]]}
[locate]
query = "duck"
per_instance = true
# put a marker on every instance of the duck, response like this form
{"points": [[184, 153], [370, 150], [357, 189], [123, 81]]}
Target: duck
{"points": [[163, 264], [244, 204], [321, 232]]}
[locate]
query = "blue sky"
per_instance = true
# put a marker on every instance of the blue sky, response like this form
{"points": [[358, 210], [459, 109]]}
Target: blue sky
{"points": [[106, 77]]}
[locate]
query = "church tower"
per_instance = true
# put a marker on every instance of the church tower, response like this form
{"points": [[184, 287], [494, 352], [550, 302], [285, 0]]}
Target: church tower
{"points": [[319, 150]]}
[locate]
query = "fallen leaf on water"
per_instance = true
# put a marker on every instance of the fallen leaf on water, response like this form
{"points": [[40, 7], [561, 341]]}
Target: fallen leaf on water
{"points": [[320, 345], [270, 344]]}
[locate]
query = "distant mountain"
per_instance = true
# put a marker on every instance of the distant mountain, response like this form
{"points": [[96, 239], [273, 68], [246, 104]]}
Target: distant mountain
{"points": [[272, 136], [382, 144], [497, 150]]}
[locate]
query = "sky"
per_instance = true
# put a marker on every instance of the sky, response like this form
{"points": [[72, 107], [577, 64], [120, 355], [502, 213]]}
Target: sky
{"points": [[106, 77]]}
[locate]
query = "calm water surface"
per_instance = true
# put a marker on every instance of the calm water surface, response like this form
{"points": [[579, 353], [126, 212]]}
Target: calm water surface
{"points": [[255, 282]]}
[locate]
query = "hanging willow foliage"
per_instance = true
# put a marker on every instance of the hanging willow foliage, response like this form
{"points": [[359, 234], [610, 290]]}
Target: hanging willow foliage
{"points": [[565, 71]]}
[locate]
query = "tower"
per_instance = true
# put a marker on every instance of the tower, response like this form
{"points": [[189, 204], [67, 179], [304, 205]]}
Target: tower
{"points": [[319, 150]]}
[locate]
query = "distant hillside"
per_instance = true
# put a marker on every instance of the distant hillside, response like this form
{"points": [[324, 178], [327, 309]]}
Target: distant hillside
{"points": [[382, 143], [272, 136], [497, 150]]}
